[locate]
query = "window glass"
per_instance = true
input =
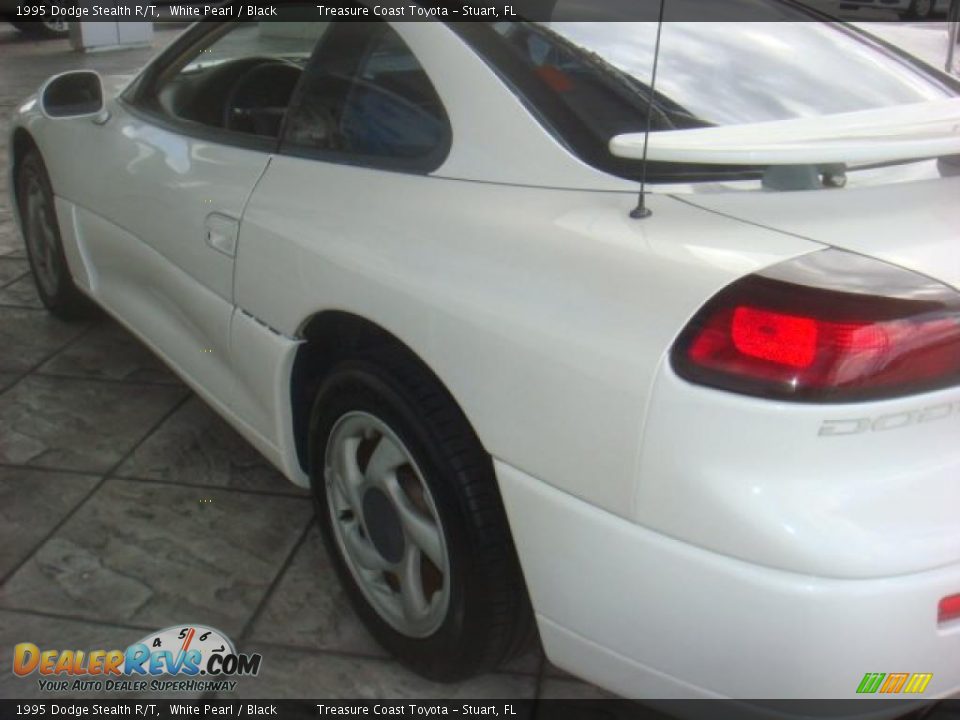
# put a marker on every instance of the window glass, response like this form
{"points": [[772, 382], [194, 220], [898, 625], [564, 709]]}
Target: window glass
{"points": [[589, 81], [366, 95], [241, 79], [732, 73]]}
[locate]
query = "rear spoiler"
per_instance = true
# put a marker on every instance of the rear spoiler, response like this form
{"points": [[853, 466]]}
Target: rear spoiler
{"points": [[919, 130]]}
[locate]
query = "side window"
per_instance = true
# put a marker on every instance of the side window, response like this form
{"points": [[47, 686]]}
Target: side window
{"points": [[366, 99], [239, 79]]}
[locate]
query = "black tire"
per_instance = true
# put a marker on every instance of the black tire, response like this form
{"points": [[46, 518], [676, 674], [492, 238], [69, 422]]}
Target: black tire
{"points": [[488, 619], [59, 294], [46, 29]]}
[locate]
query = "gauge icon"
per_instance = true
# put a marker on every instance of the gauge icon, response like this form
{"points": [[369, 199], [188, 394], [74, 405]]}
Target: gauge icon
{"points": [[181, 639]]}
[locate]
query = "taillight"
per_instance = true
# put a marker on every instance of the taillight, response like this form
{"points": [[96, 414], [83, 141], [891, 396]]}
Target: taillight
{"points": [[831, 326], [948, 610]]}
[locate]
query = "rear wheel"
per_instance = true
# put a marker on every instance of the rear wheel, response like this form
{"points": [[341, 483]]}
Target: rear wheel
{"points": [[43, 28], [41, 234], [411, 514]]}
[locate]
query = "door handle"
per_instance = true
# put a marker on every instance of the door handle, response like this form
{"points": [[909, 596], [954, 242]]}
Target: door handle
{"points": [[220, 233]]}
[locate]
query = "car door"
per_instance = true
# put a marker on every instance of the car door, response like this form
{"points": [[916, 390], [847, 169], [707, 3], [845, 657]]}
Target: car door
{"points": [[366, 128], [186, 148]]}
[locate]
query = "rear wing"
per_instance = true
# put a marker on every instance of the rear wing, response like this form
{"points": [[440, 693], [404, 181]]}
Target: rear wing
{"points": [[904, 132]]}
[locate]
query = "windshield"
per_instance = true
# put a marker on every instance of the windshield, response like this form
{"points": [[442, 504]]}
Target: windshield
{"points": [[589, 81]]}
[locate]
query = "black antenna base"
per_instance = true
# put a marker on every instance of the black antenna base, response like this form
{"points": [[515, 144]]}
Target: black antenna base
{"points": [[641, 211]]}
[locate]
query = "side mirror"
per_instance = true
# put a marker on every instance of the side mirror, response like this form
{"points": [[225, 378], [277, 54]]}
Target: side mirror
{"points": [[77, 93]]}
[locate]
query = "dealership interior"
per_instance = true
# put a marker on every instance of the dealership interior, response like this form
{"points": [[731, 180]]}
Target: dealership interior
{"points": [[127, 504]]}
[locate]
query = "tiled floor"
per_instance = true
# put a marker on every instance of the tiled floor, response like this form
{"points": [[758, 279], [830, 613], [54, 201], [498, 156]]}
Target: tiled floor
{"points": [[105, 459]]}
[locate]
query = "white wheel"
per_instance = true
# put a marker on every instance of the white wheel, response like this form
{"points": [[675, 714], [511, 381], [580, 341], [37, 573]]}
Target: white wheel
{"points": [[386, 523]]}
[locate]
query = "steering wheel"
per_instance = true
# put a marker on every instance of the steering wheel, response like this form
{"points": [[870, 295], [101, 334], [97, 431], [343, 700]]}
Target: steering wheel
{"points": [[259, 98]]}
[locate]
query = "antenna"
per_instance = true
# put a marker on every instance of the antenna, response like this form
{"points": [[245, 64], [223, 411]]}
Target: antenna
{"points": [[641, 211]]}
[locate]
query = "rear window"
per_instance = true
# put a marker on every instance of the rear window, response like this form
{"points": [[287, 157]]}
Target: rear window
{"points": [[589, 81]]}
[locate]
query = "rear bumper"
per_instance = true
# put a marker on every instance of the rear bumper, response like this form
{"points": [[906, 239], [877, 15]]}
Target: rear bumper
{"points": [[647, 616]]}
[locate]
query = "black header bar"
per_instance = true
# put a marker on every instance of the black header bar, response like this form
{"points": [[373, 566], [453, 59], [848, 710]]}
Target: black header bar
{"points": [[457, 10]]}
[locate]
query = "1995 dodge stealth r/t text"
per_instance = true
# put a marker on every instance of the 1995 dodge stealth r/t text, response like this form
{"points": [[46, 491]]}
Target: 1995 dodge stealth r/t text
{"points": [[407, 262]]}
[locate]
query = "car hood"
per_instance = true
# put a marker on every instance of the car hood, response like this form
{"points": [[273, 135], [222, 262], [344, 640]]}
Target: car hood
{"points": [[913, 224]]}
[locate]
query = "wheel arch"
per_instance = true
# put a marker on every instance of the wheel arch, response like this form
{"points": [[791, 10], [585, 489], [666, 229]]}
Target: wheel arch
{"points": [[329, 336]]}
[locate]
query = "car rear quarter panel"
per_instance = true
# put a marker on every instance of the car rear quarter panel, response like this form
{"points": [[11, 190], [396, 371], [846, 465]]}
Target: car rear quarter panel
{"points": [[860, 490], [546, 313], [914, 224], [863, 489]]}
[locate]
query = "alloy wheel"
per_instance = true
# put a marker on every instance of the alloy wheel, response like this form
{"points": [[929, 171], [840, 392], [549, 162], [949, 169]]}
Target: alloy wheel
{"points": [[57, 27], [386, 524], [42, 238]]}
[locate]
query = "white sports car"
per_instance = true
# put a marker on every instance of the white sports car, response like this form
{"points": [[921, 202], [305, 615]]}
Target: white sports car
{"points": [[708, 446]]}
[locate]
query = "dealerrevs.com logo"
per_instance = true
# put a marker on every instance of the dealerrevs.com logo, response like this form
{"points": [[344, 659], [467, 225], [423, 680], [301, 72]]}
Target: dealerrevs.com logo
{"points": [[182, 658]]}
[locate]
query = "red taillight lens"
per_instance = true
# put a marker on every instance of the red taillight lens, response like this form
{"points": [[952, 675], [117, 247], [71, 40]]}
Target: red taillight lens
{"points": [[796, 332], [948, 610], [780, 338]]}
